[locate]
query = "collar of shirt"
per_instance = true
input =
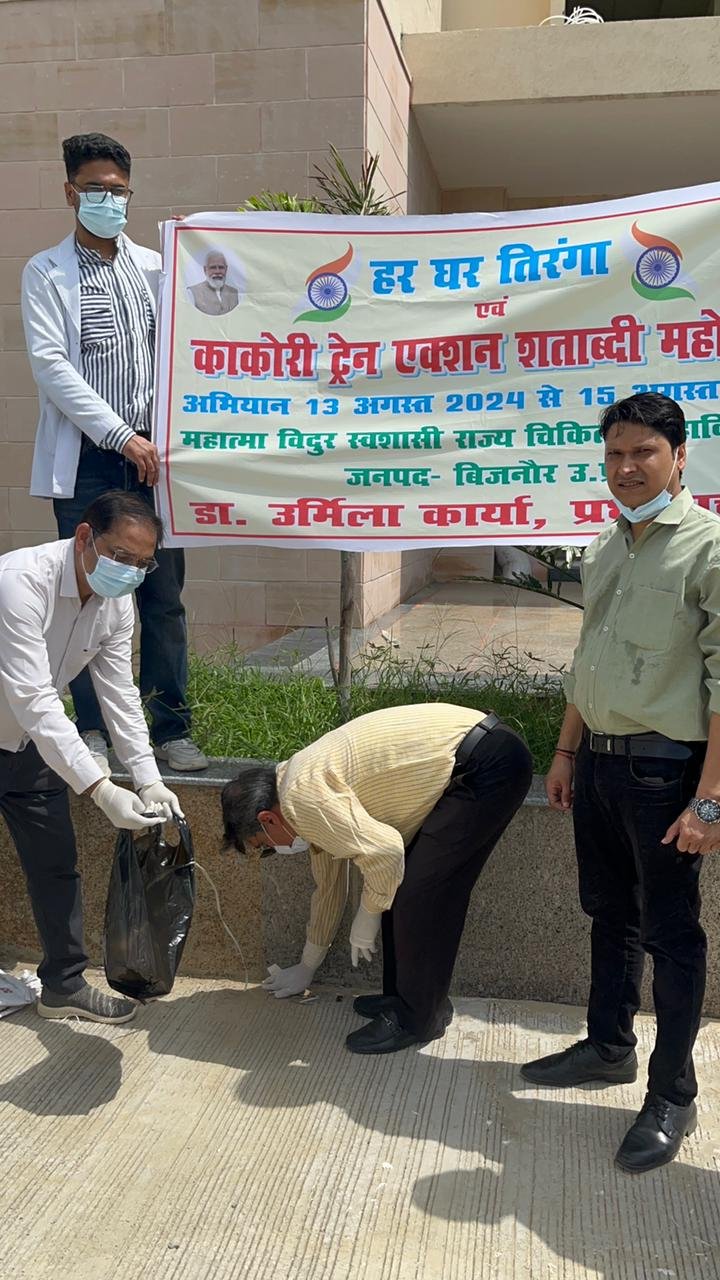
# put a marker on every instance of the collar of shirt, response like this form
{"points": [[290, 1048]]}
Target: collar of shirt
{"points": [[68, 581], [90, 257]]}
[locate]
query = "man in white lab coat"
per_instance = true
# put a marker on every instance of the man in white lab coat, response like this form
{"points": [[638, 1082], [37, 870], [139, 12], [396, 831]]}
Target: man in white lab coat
{"points": [[65, 607], [89, 314]]}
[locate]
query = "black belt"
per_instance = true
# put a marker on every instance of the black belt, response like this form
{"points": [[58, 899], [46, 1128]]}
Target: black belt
{"points": [[471, 739], [651, 745]]}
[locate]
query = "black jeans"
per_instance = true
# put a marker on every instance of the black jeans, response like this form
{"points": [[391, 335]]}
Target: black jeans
{"points": [[422, 930], [642, 896], [163, 631], [34, 803]]}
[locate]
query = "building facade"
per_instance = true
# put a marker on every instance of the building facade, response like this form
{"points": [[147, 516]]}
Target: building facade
{"points": [[471, 105]]}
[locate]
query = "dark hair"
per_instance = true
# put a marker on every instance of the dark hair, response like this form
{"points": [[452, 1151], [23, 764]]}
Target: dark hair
{"points": [[658, 413], [84, 147], [254, 789], [116, 505]]}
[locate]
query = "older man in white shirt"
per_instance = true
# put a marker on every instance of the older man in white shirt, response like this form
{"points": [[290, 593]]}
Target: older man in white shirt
{"points": [[66, 606]]}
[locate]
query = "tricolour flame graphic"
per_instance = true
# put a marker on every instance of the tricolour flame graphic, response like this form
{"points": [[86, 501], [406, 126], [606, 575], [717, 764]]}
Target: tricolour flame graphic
{"points": [[335, 267], [327, 290], [657, 268], [651, 242]]}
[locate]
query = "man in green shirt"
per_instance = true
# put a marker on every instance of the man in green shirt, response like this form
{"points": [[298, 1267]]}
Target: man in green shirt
{"points": [[638, 761]]}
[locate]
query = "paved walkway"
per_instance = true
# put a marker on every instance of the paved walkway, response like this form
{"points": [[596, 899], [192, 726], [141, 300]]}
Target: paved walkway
{"points": [[229, 1136], [452, 627], [468, 626]]}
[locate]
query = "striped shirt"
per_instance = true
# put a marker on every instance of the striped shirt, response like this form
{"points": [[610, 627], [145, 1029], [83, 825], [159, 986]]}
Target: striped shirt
{"points": [[117, 339], [361, 793]]}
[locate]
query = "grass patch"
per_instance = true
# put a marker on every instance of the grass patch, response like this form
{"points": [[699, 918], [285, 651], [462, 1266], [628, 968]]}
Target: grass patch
{"points": [[238, 711]]}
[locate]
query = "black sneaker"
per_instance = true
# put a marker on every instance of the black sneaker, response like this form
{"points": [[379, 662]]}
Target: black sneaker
{"points": [[656, 1136], [87, 1003], [371, 1006], [580, 1064]]}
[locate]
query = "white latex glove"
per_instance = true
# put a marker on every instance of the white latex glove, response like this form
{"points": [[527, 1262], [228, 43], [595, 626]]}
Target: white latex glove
{"points": [[363, 935], [123, 808], [288, 982], [157, 793], [293, 981]]}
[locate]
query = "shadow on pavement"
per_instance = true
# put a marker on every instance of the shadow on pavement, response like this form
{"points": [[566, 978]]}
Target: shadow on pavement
{"points": [[546, 1162], [80, 1072]]}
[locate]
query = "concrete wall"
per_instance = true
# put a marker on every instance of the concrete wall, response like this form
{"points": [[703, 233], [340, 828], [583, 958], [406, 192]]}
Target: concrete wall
{"points": [[388, 104], [525, 936], [462, 15], [616, 60], [215, 102], [497, 199], [407, 16]]}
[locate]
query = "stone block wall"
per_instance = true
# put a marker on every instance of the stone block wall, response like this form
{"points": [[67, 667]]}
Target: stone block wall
{"points": [[215, 101], [525, 937]]}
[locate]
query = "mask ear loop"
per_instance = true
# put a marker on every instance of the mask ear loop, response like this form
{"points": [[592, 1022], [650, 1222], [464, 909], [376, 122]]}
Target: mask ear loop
{"points": [[82, 553]]}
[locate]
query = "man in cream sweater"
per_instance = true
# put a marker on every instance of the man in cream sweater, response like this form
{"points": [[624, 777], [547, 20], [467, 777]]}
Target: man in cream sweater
{"points": [[417, 797]]}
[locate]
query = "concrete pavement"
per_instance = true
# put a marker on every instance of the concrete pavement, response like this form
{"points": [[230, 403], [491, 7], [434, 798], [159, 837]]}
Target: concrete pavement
{"points": [[225, 1135]]}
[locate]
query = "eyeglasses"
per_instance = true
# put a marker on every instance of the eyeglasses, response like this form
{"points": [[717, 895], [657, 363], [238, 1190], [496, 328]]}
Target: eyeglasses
{"points": [[98, 195], [126, 557]]}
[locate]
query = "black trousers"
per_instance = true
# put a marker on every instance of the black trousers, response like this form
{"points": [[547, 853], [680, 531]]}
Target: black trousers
{"points": [[642, 896], [34, 803], [422, 930]]}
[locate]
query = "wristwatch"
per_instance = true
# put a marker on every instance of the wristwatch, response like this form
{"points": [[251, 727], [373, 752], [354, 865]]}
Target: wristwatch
{"points": [[707, 811]]}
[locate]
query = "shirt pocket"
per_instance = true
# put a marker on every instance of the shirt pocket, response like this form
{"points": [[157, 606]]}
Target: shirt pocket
{"points": [[96, 317], [646, 618]]}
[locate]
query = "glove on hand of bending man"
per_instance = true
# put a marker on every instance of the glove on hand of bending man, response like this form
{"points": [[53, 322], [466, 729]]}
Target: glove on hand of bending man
{"points": [[363, 935], [293, 981]]}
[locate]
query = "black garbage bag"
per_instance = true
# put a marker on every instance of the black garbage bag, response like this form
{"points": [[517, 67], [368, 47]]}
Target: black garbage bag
{"points": [[149, 908]]}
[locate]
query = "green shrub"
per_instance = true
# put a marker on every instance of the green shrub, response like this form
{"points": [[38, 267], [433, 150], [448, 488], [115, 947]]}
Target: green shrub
{"points": [[239, 711]]}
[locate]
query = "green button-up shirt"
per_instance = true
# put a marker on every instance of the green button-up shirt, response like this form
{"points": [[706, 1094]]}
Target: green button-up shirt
{"points": [[648, 657]]}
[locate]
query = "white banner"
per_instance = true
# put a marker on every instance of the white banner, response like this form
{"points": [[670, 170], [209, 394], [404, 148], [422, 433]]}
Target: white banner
{"points": [[387, 383]]}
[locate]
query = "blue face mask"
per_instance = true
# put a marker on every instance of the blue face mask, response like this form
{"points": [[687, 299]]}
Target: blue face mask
{"points": [[111, 579], [105, 220], [648, 510]]}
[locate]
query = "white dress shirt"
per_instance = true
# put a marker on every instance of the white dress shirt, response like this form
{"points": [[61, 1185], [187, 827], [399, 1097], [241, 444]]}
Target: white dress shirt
{"points": [[47, 637]]}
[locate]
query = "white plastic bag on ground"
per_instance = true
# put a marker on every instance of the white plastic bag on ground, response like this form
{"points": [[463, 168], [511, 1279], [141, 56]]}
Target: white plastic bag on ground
{"points": [[17, 990]]}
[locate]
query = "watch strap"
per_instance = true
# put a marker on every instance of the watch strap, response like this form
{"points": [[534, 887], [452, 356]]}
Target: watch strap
{"points": [[700, 802]]}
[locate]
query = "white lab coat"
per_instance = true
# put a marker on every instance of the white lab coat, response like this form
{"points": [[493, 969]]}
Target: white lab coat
{"points": [[68, 406]]}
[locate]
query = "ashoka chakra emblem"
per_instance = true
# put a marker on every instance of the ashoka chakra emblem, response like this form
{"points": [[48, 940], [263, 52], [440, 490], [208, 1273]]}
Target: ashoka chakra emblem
{"points": [[327, 291], [657, 267]]}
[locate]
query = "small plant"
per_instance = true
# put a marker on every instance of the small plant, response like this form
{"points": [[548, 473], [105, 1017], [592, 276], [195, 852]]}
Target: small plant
{"points": [[345, 194], [282, 202]]}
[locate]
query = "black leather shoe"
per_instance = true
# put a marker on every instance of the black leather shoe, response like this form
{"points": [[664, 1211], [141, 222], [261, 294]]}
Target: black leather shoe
{"points": [[384, 1035], [656, 1136], [580, 1064], [371, 1006]]}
